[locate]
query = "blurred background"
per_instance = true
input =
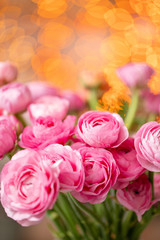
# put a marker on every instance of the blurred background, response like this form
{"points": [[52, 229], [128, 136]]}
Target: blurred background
{"points": [[58, 40]]}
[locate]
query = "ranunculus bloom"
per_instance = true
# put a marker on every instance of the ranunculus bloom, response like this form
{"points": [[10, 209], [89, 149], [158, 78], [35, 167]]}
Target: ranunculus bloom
{"points": [[71, 174], [16, 124], [156, 184], [125, 157], [101, 129], [137, 196], [46, 131], [7, 136], [39, 89], [14, 97], [29, 187], [48, 106], [8, 72], [147, 145], [76, 103], [101, 173], [134, 74], [152, 101]]}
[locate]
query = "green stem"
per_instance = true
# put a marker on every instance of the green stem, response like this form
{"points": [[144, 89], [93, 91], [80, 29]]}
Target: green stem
{"points": [[93, 98], [132, 109]]}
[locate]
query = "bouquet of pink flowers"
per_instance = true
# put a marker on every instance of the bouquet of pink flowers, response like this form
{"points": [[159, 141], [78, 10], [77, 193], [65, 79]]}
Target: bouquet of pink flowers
{"points": [[94, 179]]}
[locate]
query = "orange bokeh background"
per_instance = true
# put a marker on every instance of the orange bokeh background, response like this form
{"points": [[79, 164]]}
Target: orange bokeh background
{"points": [[56, 41]]}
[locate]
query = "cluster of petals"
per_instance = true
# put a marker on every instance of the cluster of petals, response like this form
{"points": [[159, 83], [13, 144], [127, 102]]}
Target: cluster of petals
{"points": [[48, 106], [129, 167], [29, 186], [46, 131], [101, 129], [101, 173], [137, 196], [147, 145]]}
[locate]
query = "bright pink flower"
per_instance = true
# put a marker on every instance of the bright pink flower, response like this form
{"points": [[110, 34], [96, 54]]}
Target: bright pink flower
{"points": [[14, 97], [71, 174], [101, 129], [125, 157], [48, 106], [7, 136], [29, 187], [152, 101], [47, 131], [133, 74], [137, 196], [39, 89], [156, 184], [147, 145], [76, 103], [8, 72], [101, 173]]}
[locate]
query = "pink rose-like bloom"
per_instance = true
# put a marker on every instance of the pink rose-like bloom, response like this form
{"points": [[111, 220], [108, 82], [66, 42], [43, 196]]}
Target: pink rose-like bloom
{"points": [[147, 145], [137, 196], [39, 89], [14, 97], [134, 74], [156, 184], [7, 136], [29, 187], [46, 131], [101, 129], [48, 106], [152, 101], [76, 103], [71, 176], [125, 157], [8, 72], [101, 174]]}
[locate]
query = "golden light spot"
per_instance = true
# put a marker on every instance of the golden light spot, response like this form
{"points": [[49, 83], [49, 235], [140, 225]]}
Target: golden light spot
{"points": [[125, 5], [119, 19], [8, 29], [140, 6], [56, 35], [138, 52], [11, 11], [51, 8], [154, 83]]}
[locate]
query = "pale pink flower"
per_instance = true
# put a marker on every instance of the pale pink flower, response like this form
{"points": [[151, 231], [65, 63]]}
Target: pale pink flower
{"points": [[7, 136], [16, 124], [101, 129], [14, 97], [101, 174], [147, 145], [39, 89], [46, 131], [29, 187], [152, 101], [71, 174], [125, 157], [76, 103], [137, 196], [133, 74], [8, 72], [48, 106]]}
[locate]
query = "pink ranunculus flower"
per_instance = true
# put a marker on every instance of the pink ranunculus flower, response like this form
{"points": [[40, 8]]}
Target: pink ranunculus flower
{"points": [[133, 74], [147, 145], [16, 124], [39, 89], [137, 196], [152, 101], [125, 157], [29, 187], [101, 129], [8, 72], [48, 106], [7, 136], [14, 97], [71, 174], [76, 103], [101, 174], [46, 131]]}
